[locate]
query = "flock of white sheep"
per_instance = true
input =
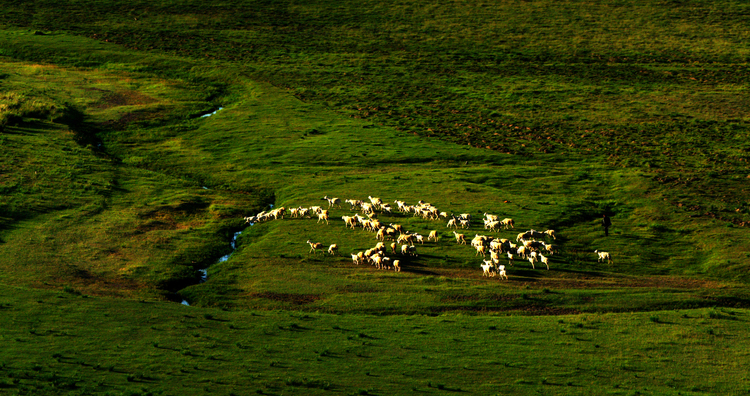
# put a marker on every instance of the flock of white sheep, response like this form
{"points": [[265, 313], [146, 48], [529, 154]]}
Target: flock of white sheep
{"points": [[530, 245]]}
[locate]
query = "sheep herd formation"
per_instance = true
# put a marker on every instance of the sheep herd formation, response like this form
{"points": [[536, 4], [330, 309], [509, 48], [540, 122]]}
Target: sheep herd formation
{"points": [[530, 245]]}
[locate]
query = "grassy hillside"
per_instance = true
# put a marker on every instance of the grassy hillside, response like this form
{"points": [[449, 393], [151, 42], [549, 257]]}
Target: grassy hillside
{"points": [[135, 140]]}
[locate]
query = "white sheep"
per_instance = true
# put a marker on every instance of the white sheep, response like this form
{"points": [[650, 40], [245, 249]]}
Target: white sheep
{"points": [[531, 260], [489, 217], [333, 249], [380, 235], [481, 249], [350, 221], [453, 223], [355, 258], [604, 256], [385, 263], [398, 227], [460, 238], [367, 208], [397, 265], [465, 223], [521, 251], [487, 268], [376, 202], [411, 250], [544, 260], [333, 201], [510, 258], [323, 215], [551, 233], [354, 203], [405, 239], [508, 222], [314, 246], [501, 272], [433, 236]]}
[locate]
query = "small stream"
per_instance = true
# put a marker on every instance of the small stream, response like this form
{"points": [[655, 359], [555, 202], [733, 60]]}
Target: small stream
{"points": [[204, 271], [212, 113]]}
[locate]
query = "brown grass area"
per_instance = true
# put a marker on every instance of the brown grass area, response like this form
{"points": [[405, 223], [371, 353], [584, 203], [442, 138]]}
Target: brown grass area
{"points": [[123, 98]]}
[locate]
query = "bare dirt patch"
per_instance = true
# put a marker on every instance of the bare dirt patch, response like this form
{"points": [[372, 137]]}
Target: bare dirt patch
{"points": [[297, 299]]}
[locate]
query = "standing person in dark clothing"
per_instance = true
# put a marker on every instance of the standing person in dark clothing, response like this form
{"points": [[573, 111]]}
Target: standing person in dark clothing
{"points": [[606, 223]]}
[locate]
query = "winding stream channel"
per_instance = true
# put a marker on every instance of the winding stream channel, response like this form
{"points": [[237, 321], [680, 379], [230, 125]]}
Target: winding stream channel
{"points": [[204, 271]]}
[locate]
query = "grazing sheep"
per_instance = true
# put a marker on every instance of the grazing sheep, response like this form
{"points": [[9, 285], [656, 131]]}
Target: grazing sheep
{"points": [[460, 238], [551, 249], [433, 236], [278, 212], [530, 234], [465, 223], [604, 256], [393, 247], [377, 260], [508, 223], [385, 263], [501, 271], [333, 249], [398, 227], [492, 225], [397, 265], [478, 240], [521, 251], [551, 233], [354, 203], [489, 217], [487, 269], [411, 250], [419, 238], [355, 258], [323, 215], [350, 221], [481, 249], [376, 202], [544, 260], [314, 246], [510, 258], [531, 260], [333, 201], [380, 234], [496, 245], [406, 239], [367, 208], [386, 208], [453, 223]]}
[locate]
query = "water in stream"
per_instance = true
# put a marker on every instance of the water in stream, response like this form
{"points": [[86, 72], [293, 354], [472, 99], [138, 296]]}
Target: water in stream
{"points": [[204, 271]]}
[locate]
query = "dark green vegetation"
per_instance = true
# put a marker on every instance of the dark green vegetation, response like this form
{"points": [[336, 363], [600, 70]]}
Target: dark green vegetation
{"points": [[114, 191]]}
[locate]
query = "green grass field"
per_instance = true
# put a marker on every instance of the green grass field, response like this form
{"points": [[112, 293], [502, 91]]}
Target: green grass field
{"points": [[135, 138]]}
